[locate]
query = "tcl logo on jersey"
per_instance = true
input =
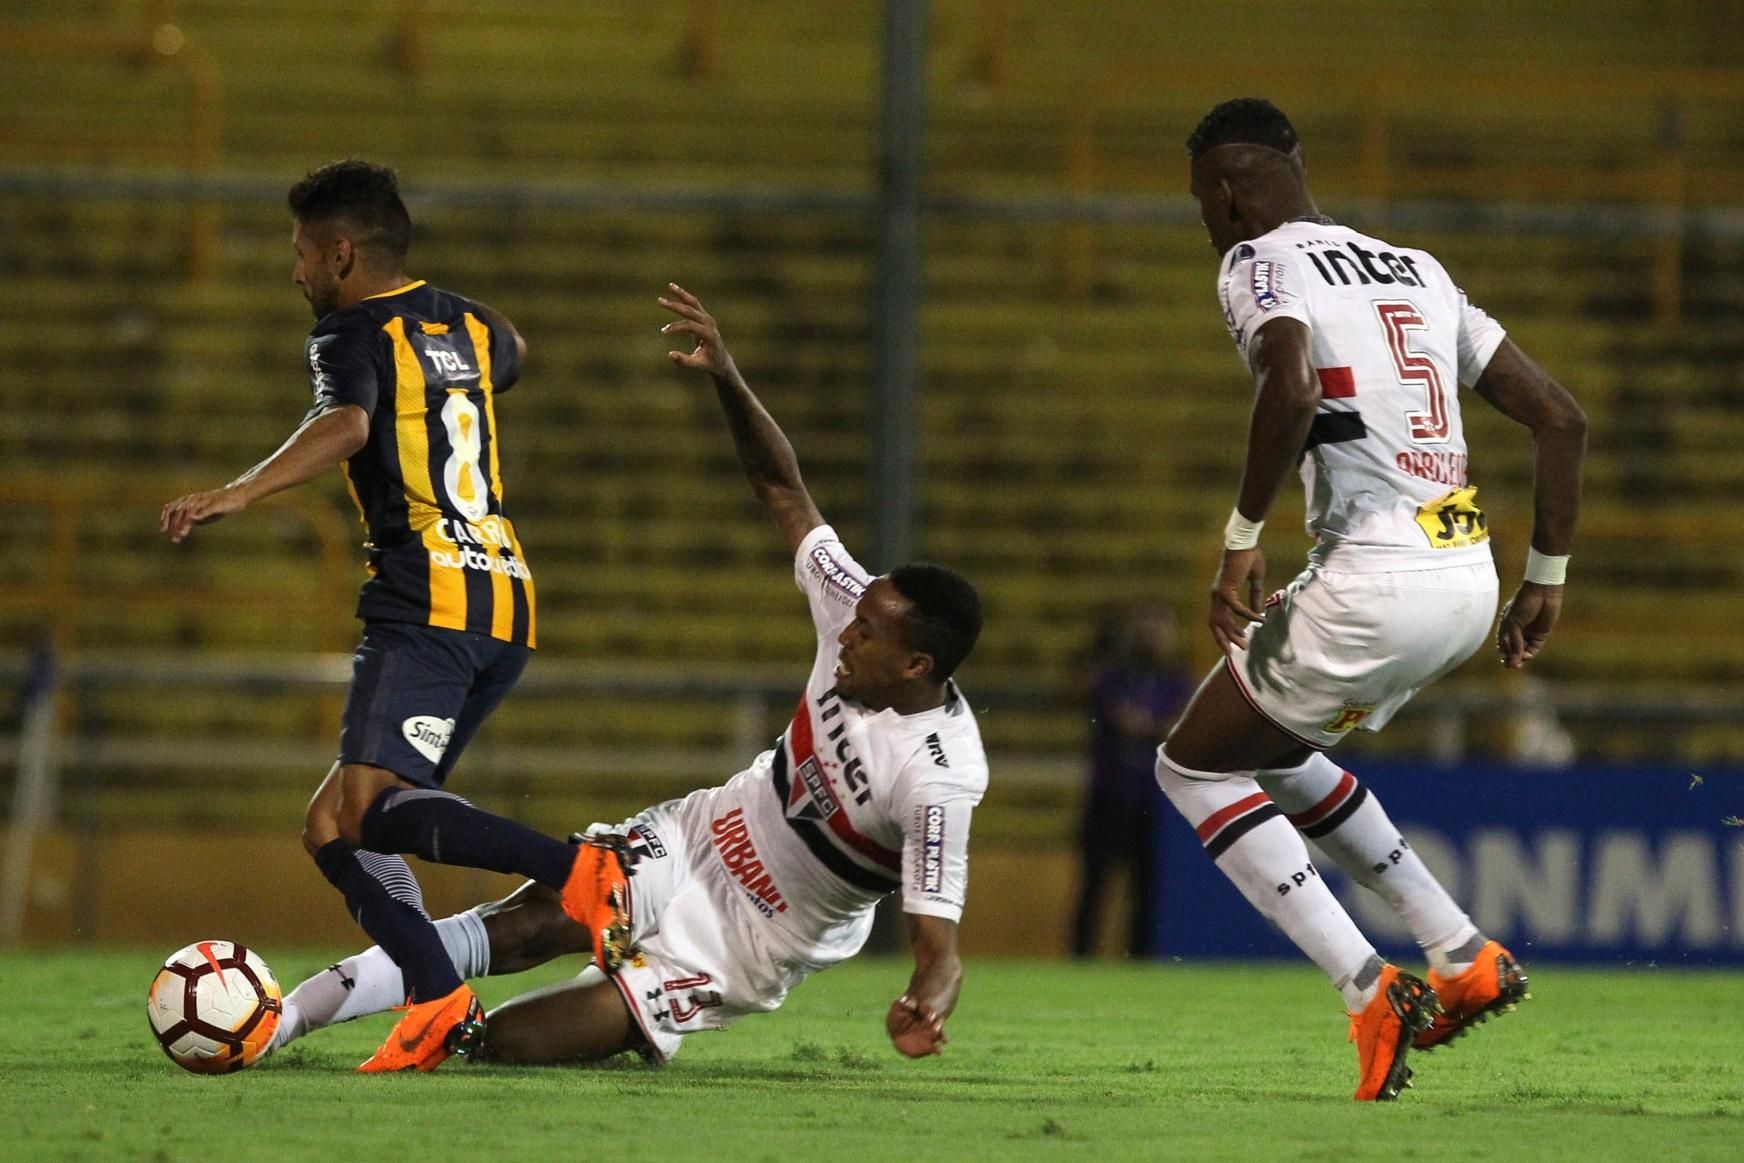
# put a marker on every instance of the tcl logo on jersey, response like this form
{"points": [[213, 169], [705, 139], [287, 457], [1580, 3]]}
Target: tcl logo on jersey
{"points": [[450, 363], [428, 735], [732, 837]]}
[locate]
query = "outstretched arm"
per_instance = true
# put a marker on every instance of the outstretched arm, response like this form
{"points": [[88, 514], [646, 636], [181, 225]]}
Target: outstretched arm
{"points": [[764, 451], [916, 1021], [1526, 394], [320, 443], [1287, 396]]}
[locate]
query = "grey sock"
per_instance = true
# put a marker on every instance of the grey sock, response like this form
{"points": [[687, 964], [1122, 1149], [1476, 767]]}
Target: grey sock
{"points": [[1468, 952], [1369, 973]]}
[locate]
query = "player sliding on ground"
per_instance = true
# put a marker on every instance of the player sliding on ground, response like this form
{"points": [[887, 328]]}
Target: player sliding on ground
{"points": [[740, 892], [1357, 348]]}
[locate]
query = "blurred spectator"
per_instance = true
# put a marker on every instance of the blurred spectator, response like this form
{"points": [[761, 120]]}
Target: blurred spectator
{"points": [[1136, 686], [1535, 735]]}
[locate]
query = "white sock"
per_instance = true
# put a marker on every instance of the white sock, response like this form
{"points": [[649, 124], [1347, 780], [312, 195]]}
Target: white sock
{"points": [[370, 982], [1347, 822], [1253, 845]]}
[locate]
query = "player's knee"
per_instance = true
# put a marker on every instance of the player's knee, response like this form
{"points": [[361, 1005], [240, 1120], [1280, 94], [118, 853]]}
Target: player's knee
{"points": [[320, 828], [359, 787], [1203, 796]]}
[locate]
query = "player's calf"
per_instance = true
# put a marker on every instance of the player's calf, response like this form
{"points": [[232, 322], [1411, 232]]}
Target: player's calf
{"points": [[529, 928]]}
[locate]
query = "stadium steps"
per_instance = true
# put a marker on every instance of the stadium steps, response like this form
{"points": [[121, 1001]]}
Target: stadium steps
{"points": [[1076, 453]]}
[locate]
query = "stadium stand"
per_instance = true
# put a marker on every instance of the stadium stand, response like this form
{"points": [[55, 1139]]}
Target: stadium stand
{"points": [[1082, 408]]}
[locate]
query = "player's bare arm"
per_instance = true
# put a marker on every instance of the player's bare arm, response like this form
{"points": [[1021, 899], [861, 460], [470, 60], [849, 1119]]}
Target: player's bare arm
{"points": [[1526, 394], [500, 322], [916, 1020], [1287, 394], [764, 451], [321, 443]]}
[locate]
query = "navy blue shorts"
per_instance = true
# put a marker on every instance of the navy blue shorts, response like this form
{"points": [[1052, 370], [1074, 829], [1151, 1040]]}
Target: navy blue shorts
{"points": [[419, 694]]}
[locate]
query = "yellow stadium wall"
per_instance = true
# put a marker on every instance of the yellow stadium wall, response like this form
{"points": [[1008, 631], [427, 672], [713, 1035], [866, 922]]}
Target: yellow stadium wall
{"points": [[170, 887]]}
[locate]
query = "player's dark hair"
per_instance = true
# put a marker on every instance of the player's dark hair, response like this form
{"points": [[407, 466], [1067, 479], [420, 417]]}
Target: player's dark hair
{"points": [[945, 615], [364, 196], [1243, 121]]}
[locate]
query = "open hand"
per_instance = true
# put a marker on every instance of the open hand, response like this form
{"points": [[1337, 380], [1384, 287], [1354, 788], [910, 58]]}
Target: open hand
{"points": [[914, 1030], [181, 515], [711, 354], [1237, 597]]}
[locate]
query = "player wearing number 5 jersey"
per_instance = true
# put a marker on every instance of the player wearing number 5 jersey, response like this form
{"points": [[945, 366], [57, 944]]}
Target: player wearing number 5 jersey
{"points": [[405, 379], [1358, 348]]}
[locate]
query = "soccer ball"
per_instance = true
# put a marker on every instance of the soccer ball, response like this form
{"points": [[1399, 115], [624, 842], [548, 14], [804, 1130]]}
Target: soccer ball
{"points": [[214, 1007]]}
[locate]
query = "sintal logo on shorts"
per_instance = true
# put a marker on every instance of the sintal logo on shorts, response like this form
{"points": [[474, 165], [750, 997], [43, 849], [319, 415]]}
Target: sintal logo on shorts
{"points": [[429, 735], [1348, 718]]}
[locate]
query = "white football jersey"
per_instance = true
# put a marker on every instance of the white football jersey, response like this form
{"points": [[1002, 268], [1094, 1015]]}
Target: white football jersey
{"points": [[851, 804], [1393, 338]]}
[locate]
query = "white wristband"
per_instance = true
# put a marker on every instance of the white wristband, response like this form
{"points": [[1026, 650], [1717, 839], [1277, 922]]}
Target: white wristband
{"points": [[1545, 570], [1241, 533]]}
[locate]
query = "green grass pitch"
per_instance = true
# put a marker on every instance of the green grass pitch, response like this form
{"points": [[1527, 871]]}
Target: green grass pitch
{"points": [[1047, 1061]]}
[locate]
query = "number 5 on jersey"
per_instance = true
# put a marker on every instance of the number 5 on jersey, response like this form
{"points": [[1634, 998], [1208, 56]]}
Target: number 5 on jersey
{"points": [[1398, 320]]}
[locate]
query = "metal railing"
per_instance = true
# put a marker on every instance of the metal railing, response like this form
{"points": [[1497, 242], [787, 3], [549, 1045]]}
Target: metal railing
{"points": [[49, 743], [55, 599]]}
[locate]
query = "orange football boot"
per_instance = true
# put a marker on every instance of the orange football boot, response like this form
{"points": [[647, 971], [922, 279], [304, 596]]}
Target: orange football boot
{"points": [[428, 1032], [1493, 984], [1402, 1007], [597, 896]]}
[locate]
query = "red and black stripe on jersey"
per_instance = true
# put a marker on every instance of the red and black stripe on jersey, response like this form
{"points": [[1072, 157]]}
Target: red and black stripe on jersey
{"points": [[442, 550], [813, 809]]}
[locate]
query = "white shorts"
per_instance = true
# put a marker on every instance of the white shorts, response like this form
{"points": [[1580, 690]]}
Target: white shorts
{"points": [[700, 960], [1344, 651]]}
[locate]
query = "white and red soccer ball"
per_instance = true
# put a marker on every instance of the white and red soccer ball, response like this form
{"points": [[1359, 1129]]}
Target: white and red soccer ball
{"points": [[214, 1007]]}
